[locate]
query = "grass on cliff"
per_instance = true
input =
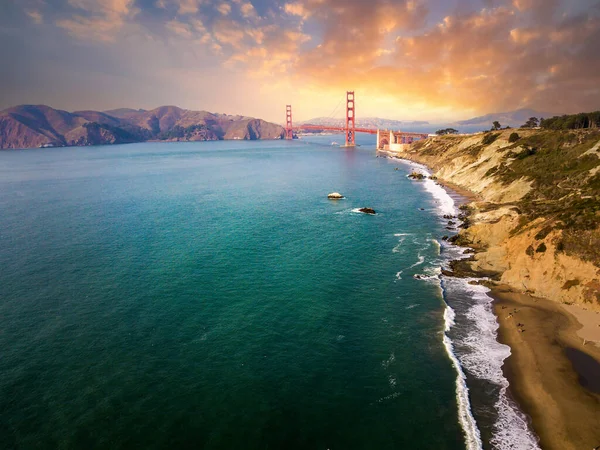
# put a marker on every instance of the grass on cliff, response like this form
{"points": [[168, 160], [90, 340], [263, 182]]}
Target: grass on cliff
{"points": [[564, 191]]}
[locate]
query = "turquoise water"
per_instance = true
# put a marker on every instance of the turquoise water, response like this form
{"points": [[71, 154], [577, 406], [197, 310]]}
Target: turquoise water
{"points": [[208, 295]]}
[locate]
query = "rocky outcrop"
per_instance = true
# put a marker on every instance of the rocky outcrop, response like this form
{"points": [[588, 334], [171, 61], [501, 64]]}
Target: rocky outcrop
{"points": [[335, 196], [367, 211], [536, 223]]}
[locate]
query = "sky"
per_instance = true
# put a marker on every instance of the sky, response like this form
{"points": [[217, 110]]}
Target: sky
{"points": [[405, 59]]}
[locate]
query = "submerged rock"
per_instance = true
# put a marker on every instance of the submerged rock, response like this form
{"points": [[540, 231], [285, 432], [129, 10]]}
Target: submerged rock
{"points": [[367, 210], [335, 196]]}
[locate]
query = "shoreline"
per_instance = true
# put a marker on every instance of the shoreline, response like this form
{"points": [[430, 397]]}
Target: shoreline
{"points": [[543, 381], [550, 362]]}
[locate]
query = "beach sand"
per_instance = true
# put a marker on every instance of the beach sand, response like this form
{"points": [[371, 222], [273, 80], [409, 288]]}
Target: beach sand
{"points": [[549, 367]]}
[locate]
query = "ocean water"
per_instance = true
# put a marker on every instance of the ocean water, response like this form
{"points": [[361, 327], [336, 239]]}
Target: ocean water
{"points": [[209, 295]]}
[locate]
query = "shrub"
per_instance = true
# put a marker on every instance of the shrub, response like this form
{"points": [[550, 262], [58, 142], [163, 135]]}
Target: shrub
{"points": [[543, 233], [489, 138], [514, 137], [527, 152]]}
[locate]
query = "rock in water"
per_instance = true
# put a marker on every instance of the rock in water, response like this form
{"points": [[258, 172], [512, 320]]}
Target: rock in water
{"points": [[416, 176], [335, 196], [367, 210]]}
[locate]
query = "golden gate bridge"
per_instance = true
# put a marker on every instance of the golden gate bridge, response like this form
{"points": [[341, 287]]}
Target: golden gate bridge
{"points": [[385, 138]]}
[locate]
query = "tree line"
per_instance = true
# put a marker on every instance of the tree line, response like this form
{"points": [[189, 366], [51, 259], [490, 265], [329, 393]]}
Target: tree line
{"points": [[572, 121]]}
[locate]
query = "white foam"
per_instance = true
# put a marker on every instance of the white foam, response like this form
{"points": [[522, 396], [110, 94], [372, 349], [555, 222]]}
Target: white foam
{"points": [[412, 306], [402, 237], [484, 359], [389, 397], [392, 380], [445, 203], [389, 361], [446, 206], [465, 417], [449, 318], [437, 245], [485, 356]]}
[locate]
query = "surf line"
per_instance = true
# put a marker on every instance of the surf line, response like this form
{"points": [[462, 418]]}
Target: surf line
{"points": [[445, 205]]}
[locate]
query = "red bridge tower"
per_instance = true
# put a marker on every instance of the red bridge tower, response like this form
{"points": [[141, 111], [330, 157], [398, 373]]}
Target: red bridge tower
{"points": [[289, 132], [350, 125]]}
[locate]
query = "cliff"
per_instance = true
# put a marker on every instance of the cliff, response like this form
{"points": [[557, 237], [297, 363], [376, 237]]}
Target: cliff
{"points": [[536, 223], [28, 126]]}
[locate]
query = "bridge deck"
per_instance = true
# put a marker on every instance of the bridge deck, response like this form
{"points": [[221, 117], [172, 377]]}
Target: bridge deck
{"points": [[358, 130]]}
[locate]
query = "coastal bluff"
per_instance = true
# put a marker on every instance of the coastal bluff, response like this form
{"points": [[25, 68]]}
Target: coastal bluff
{"points": [[535, 221]]}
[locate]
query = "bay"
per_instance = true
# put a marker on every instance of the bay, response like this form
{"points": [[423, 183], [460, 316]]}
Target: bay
{"points": [[209, 295]]}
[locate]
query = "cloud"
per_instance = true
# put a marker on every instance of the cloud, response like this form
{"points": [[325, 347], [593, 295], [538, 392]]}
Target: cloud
{"points": [[188, 6], [179, 28], [296, 9], [227, 32], [422, 56], [247, 10], [224, 8], [35, 16], [99, 19]]}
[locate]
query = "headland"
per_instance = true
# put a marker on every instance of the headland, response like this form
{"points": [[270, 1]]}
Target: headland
{"points": [[534, 223]]}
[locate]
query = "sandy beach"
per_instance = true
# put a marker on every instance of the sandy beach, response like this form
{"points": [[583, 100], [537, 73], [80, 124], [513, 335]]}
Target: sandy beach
{"points": [[554, 367], [549, 367]]}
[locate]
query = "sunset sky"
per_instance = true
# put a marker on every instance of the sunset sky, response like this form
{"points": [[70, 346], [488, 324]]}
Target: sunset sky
{"points": [[406, 59]]}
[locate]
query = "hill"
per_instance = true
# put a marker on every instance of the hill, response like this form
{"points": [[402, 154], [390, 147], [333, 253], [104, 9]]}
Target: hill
{"points": [[536, 225], [511, 118], [27, 126]]}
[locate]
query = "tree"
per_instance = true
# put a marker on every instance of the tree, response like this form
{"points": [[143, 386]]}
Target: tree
{"points": [[496, 125], [514, 137], [532, 122], [446, 131]]}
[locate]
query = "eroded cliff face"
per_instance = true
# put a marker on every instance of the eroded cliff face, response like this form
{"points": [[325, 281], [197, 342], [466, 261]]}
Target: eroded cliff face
{"points": [[537, 218]]}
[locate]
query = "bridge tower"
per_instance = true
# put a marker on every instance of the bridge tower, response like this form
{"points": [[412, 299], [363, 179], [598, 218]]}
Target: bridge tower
{"points": [[289, 132], [350, 124]]}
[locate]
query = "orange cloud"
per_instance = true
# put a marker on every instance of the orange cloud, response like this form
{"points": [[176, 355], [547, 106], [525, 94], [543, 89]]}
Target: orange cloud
{"points": [[104, 18], [224, 8]]}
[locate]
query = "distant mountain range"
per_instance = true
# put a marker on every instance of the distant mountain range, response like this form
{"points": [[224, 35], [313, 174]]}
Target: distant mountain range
{"points": [[512, 119], [29, 126]]}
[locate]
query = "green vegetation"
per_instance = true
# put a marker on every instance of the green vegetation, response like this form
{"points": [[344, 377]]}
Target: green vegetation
{"points": [[543, 233], [446, 131], [572, 122], [489, 138], [564, 193], [122, 134], [178, 132], [514, 137], [532, 122], [496, 125]]}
